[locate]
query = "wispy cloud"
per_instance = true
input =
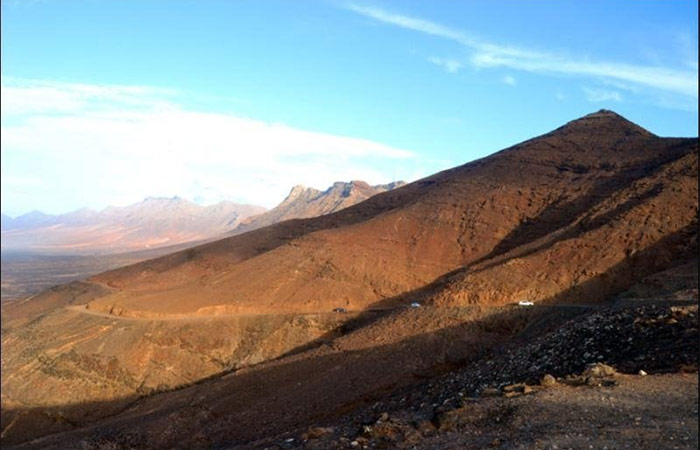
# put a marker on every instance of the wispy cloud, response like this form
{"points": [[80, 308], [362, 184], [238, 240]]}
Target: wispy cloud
{"points": [[687, 44], [509, 80], [26, 96], [485, 54], [118, 144], [450, 65], [597, 95]]}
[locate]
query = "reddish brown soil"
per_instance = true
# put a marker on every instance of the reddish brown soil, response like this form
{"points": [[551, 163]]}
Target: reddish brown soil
{"points": [[550, 219], [595, 210]]}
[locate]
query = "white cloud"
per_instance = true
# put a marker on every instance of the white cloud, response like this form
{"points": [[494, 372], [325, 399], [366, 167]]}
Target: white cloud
{"points": [[20, 181], [488, 55], [117, 144], [509, 80], [22, 96], [597, 95], [450, 65]]}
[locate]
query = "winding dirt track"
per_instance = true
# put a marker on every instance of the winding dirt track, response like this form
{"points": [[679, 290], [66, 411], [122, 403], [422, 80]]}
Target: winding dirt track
{"points": [[83, 309]]}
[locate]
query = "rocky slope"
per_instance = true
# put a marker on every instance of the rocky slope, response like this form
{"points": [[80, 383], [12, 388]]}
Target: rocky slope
{"points": [[154, 222], [594, 210], [580, 384], [303, 202], [439, 389]]}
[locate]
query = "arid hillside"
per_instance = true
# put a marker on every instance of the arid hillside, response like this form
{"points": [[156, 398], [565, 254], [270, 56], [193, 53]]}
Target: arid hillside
{"points": [[242, 335], [542, 219]]}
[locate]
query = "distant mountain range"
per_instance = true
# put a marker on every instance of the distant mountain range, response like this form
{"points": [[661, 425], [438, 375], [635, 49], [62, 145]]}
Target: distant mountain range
{"points": [[159, 222], [153, 222]]}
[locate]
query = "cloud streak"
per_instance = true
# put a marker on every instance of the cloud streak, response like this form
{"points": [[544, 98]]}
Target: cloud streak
{"points": [[509, 80], [450, 65], [601, 95], [96, 145], [24, 96], [485, 54]]}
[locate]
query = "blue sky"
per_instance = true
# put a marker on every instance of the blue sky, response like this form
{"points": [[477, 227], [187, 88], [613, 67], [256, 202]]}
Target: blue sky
{"points": [[107, 102]]}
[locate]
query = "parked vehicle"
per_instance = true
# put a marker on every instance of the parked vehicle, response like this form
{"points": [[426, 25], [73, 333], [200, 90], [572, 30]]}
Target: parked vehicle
{"points": [[340, 310], [525, 303], [415, 305]]}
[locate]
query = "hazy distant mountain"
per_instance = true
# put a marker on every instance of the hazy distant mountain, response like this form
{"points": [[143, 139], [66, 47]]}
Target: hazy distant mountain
{"points": [[154, 222], [5, 221], [303, 202], [29, 220], [159, 221]]}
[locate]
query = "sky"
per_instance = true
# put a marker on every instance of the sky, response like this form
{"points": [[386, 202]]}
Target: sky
{"points": [[106, 102]]}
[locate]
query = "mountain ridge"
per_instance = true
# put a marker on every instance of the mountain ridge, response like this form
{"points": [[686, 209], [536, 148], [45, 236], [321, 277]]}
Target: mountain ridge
{"points": [[304, 202], [607, 165], [149, 200], [155, 221]]}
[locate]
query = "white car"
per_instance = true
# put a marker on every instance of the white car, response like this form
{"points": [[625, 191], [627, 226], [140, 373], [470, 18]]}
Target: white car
{"points": [[525, 303], [415, 305]]}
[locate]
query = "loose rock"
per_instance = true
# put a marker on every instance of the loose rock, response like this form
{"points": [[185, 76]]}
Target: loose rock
{"points": [[548, 380]]}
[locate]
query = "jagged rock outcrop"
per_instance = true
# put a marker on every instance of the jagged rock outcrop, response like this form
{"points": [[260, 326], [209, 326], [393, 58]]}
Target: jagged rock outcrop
{"points": [[303, 202]]}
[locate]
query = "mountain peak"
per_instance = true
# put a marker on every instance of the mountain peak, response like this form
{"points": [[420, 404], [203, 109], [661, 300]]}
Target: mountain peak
{"points": [[173, 199], [360, 184], [604, 121], [297, 191]]}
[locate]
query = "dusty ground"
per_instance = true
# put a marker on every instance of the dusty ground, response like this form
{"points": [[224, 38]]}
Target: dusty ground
{"points": [[509, 399], [25, 274], [487, 384], [651, 412]]}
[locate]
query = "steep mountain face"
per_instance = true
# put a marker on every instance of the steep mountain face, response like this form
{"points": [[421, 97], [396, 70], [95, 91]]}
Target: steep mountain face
{"points": [[303, 202], [153, 222], [579, 200], [590, 211]]}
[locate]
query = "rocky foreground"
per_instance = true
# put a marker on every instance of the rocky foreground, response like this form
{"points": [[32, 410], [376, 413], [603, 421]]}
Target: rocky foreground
{"points": [[613, 378], [608, 377]]}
